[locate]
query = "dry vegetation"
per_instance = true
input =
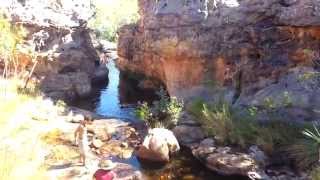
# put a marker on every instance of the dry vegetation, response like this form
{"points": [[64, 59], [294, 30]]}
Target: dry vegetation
{"points": [[25, 116], [32, 134]]}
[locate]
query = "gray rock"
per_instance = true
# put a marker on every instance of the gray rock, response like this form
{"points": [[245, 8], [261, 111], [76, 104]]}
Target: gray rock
{"points": [[258, 155], [230, 163], [188, 134], [187, 119], [292, 98], [70, 85], [208, 142]]}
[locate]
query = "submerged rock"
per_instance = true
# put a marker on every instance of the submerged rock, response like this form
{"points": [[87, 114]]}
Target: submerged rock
{"points": [[158, 145]]}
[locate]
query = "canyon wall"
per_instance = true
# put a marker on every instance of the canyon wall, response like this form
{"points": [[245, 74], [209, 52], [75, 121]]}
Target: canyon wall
{"points": [[65, 48], [250, 52]]}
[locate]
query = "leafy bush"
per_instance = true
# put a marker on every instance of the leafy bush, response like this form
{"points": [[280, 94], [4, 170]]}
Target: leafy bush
{"points": [[163, 113], [110, 15]]}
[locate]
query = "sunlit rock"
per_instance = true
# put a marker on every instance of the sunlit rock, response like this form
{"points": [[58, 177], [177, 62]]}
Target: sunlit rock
{"points": [[158, 145]]}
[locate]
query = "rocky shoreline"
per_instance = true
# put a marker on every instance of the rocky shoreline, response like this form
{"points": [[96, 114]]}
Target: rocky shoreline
{"points": [[112, 138], [121, 140], [226, 160]]}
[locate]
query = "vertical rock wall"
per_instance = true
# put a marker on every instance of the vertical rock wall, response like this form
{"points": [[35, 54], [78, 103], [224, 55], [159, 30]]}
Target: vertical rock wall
{"points": [[249, 51]]}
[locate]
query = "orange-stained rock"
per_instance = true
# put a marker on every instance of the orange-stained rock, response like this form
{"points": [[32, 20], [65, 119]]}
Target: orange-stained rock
{"points": [[239, 48]]}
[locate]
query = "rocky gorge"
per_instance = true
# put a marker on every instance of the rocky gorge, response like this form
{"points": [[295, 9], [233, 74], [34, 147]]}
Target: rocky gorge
{"points": [[248, 52], [261, 56]]}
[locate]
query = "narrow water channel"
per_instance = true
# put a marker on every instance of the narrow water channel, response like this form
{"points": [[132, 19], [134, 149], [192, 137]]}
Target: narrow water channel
{"points": [[105, 100]]}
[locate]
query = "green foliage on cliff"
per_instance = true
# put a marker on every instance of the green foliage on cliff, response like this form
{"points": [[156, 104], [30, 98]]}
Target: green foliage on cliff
{"points": [[163, 113], [111, 15]]}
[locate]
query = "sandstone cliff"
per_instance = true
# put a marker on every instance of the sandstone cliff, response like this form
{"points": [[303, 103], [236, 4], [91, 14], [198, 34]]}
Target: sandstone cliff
{"points": [[68, 61], [252, 52]]}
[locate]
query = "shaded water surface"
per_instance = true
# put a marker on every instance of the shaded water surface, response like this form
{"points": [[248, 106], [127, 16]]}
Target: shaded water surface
{"points": [[109, 100], [114, 99]]}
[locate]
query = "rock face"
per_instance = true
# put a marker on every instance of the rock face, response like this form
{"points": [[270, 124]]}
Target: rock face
{"points": [[158, 145], [249, 51], [57, 32]]}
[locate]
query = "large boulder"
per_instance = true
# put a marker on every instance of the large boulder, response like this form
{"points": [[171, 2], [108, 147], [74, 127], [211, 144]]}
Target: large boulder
{"points": [[158, 145], [243, 50]]}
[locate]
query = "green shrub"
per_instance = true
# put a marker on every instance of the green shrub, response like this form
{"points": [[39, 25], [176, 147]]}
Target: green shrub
{"points": [[163, 113]]}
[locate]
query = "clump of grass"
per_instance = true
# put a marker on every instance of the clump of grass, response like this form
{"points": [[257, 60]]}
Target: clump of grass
{"points": [[62, 153], [306, 151], [196, 107], [315, 173], [232, 126], [33, 90], [54, 136], [22, 154], [23, 162], [218, 122]]}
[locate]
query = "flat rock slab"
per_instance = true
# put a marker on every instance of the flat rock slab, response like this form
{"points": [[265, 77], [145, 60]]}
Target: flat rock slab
{"points": [[230, 163], [224, 160]]}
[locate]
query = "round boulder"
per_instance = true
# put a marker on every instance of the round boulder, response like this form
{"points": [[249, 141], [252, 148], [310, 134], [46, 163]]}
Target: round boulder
{"points": [[158, 145]]}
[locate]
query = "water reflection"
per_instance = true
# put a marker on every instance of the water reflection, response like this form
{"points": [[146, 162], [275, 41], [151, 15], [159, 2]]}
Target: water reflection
{"points": [[109, 100], [116, 98]]}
